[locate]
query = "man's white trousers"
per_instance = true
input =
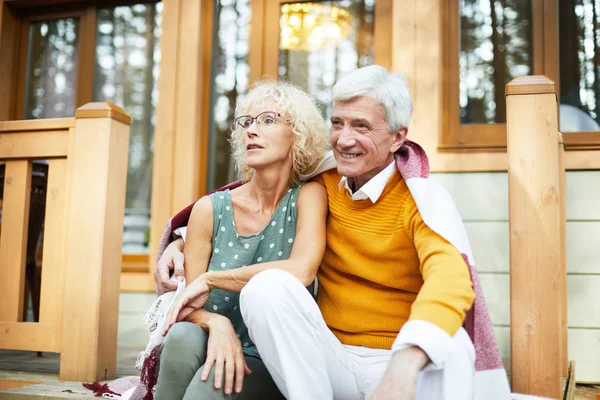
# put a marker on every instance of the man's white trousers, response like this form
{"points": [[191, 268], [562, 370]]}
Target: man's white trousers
{"points": [[308, 362]]}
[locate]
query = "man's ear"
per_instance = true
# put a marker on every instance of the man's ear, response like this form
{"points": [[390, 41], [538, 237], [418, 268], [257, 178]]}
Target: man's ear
{"points": [[399, 138]]}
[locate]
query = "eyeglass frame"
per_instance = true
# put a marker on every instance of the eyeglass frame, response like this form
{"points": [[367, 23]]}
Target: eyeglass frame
{"points": [[252, 119]]}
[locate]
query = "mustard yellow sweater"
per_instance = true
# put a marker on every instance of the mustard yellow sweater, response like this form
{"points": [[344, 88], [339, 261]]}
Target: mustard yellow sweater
{"points": [[383, 266]]}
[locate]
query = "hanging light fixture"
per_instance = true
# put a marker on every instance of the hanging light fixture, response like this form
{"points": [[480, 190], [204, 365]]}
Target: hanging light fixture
{"points": [[313, 26]]}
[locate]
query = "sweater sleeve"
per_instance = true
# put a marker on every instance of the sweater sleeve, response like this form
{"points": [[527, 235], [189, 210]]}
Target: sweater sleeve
{"points": [[447, 292]]}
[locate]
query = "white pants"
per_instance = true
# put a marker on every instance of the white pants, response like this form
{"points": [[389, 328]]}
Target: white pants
{"points": [[307, 361]]}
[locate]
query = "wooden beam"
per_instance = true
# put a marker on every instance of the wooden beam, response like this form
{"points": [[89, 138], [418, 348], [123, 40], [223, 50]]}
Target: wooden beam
{"points": [[206, 84], [271, 35], [137, 282], [535, 238], [29, 336], [165, 133], [13, 242], [34, 145], [537, 38], [551, 50], [564, 328], [32, 125], [180, 135], [9, 54], [384, 14], [98, 169], [571, 383], [135, 263], [403, 33], [190, 110], [581, 140], [256, 43], [86, 57], [20, 84]]}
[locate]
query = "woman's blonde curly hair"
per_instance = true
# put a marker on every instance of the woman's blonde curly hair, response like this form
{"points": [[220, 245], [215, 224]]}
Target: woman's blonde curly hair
{"points": [[311, 137]]}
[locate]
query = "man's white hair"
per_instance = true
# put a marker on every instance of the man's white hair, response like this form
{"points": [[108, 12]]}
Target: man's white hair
{"points": [[388, 89]]}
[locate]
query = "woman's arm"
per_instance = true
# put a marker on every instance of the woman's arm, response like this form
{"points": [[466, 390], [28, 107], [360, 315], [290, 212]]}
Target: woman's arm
{"points": [[307, 251], [303, 263], [198, 244], [197, 253], [224, 349]]}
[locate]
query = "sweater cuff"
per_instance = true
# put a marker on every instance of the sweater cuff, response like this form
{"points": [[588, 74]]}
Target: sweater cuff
{"points": [[180, 232], [433, 340]]}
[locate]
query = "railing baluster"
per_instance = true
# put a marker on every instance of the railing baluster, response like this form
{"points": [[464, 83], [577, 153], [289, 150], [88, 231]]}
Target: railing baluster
{"points": [[13, 239]]}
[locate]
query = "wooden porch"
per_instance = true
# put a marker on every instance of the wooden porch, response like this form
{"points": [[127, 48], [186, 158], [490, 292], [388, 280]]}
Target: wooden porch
{"points": [[84, 206], [24, 375], [84, 223]]}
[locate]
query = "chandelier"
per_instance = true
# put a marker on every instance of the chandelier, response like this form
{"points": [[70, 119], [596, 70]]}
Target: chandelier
{"points": [[313, 26]]}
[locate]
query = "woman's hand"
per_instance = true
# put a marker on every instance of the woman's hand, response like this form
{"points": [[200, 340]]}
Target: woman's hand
{"points": [[224, 350], [193, 298]]}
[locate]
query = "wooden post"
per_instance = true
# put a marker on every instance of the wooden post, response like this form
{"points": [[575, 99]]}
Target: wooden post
{"points": [[180, 138], [97, 162], [535, 237], [9, 50], [563, 259]]}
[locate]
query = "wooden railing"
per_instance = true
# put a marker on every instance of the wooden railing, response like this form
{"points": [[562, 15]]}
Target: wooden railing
{"points": [[83, 234], [536, 183]]}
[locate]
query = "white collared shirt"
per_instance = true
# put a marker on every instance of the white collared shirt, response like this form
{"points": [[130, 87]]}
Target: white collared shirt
{"points": [[374, 187]]}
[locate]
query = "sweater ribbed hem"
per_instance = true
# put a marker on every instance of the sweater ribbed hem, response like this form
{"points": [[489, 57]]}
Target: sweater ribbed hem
{"points": [[370, 341]]}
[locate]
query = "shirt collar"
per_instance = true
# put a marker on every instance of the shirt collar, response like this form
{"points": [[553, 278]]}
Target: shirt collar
{"points": [[374, 187]]}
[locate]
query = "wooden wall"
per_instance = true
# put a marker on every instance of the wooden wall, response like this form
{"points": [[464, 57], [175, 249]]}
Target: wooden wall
{"points": [[482, 200]]}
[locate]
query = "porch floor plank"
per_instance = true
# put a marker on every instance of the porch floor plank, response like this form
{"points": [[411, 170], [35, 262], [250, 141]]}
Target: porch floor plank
{"points": [[39, 375]]}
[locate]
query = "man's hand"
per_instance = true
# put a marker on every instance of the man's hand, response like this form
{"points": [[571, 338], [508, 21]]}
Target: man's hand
{"points": [[400, 379], [171, 258]]}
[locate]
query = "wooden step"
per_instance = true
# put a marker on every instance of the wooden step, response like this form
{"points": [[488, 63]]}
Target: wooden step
{"points": [[30, 386]]}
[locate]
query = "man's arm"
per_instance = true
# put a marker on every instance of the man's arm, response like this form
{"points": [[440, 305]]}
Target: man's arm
{"points": [[173, 256], [445, 297], [437, 313]]}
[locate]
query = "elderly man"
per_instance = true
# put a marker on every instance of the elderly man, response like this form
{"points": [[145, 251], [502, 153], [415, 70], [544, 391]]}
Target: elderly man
{"points": [[392, 294]]}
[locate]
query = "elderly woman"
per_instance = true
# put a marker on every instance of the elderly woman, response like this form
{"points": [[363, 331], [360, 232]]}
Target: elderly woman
{"points": [[273, 220]]}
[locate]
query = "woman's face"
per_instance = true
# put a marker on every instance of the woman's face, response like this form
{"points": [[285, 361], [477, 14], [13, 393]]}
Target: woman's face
{"points": [[268, 138]]}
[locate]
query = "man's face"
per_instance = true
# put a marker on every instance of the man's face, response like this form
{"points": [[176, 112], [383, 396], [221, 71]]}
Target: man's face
{"points": [[360, 139]]}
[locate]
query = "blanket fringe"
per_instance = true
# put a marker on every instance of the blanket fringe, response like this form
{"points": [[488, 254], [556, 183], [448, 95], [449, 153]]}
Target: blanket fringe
{"points": [[149, 374], [101, 390]]}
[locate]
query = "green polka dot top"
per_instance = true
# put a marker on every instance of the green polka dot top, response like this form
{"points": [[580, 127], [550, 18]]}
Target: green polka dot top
{"points": [[232, 250]]}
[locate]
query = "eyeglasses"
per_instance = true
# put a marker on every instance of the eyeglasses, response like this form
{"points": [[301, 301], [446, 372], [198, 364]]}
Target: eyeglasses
{"points": [[263, 120]]}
